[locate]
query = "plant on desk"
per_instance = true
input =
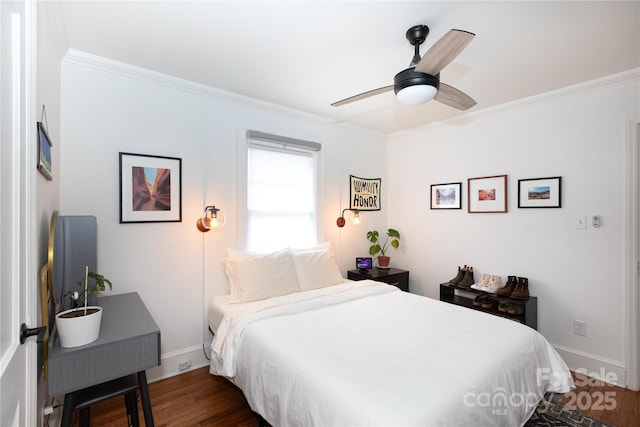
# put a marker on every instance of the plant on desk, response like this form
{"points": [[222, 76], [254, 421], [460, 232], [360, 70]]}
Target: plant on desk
{"points": [[392, 240], [81, 324]]}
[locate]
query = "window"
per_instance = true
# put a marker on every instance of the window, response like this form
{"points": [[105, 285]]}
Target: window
{"points": [[281, 202]]}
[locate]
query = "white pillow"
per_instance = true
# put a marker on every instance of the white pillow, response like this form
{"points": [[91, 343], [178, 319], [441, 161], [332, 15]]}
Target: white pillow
{"points": [[316, 268], [233, 254], [254, 277]]}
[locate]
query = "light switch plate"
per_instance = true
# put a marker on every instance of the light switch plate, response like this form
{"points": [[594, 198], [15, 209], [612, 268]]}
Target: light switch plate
{"points": [[580, 223]]}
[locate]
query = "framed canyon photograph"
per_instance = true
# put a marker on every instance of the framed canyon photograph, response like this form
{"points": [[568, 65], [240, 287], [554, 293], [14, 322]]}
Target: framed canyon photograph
{"points": [[150, 188]]}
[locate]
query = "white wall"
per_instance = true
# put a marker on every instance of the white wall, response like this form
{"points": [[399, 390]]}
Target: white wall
{"points": [[577, 133], [109, 108]]}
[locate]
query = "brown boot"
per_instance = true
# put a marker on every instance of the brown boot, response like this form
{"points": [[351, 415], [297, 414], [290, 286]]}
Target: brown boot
{"points": [[522, 289], [508, 287], [459, 276], [468, 279]]}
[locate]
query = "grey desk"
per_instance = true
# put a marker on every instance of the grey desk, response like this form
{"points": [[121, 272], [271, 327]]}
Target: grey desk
{"points": [[129, 342]]}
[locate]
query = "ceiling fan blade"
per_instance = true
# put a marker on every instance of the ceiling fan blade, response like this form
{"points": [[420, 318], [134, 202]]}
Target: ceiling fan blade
{"points": [[453, 97], [363, 95], [444, 51]]}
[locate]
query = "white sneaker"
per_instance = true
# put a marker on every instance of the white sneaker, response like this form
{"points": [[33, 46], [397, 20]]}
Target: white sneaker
{"points": [[494, 284], [482, 284]]}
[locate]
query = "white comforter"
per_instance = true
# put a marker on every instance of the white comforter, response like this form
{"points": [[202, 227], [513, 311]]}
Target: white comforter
{"points": [[364, 353]]}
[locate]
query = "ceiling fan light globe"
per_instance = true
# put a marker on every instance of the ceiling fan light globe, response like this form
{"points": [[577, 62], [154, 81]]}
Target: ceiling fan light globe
{"points": [[417, 94]]}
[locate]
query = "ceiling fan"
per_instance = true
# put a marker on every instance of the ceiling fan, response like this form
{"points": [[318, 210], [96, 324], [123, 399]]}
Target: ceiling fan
{"points": [[421, 81]]}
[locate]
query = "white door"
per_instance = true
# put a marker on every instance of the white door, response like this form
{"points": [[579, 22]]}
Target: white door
{"points": [[18, 286]]}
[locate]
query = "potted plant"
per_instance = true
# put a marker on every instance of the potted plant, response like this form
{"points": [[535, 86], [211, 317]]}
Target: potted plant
{"points": [[80, 325], [392, 240]]}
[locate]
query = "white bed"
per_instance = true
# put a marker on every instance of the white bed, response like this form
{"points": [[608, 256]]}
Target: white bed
{"points": [[365, 353]]}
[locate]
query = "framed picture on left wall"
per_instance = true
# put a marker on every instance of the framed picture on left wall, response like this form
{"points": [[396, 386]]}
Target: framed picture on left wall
{"points": [[150, 188], [44, 152]]}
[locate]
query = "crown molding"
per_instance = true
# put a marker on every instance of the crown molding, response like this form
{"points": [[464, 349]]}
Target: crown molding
{"points": [[91, 61], [107, 65], [569, 91], [612, 80]]}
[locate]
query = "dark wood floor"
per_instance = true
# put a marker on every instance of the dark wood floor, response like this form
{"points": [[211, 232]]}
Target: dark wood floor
{"points": [[198, 398]]}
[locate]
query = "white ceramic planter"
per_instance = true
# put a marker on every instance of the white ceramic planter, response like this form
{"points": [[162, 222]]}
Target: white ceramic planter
{"points": [[77, 331]]}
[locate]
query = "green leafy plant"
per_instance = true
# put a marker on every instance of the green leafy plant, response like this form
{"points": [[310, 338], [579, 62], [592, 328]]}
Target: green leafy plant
{"points": [[100, 283], [392, 240]]}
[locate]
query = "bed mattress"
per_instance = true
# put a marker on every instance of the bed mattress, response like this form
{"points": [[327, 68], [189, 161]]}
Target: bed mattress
{"points": [[218, 307], [364, 353]]}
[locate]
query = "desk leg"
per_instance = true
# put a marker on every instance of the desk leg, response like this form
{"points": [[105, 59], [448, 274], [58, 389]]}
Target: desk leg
{"points": [[67, 411], [144, 397]]}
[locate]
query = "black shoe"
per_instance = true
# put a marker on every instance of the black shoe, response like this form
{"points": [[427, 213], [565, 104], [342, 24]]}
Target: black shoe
{"points": [[468, 279], [459, 276]]}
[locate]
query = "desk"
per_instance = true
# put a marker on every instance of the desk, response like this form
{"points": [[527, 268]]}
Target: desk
{"points": [[129, 342]]}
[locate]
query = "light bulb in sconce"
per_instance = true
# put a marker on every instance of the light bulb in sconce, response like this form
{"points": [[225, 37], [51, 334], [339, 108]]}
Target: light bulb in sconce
{"points": [[355, 219], [212, 219]]}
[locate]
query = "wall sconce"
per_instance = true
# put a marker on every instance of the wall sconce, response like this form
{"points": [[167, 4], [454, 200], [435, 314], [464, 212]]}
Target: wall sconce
{"points": [[356, 220], [212, 219]]}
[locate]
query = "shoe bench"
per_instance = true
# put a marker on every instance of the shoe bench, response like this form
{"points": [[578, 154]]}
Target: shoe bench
{"points": [[465, 296]]}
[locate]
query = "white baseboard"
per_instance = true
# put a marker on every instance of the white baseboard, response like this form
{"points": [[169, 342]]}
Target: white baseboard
{"points": [[170, 363], [609, 371]]}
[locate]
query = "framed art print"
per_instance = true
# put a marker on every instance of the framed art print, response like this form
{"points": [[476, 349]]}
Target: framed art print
{"points": [[487, 194], [446, 196], [364, 193], [150, 188], [44, 152], [540, 192]]}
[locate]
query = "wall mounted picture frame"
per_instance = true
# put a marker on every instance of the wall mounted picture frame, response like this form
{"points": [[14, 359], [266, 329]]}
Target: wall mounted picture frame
{"points": [[540, 192], [150, 188], [487, 194], [446, 196], [44, 152], [364, 193]]}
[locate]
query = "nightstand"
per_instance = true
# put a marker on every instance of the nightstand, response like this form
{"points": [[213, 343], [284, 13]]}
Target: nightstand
{"points": [[392, 276]]}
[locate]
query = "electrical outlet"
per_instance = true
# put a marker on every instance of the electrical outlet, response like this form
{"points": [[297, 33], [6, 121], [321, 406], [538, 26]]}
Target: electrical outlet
{"points": [[47, 411], [580, 328], [184, 365]]}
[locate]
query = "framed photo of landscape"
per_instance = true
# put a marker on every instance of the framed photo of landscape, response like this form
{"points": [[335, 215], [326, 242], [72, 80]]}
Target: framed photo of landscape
{"points": [[540, 192], [487, 194], [446, 196], [150, 188]]}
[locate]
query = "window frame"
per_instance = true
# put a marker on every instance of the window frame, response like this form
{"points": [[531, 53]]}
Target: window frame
{"points": [[244, 140]]}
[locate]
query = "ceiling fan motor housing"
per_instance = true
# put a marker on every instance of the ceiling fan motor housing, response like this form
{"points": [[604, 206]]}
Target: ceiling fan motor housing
{"points": [[410, 77]]}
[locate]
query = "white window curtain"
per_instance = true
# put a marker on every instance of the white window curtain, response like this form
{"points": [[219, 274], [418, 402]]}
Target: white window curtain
{"points": [[281, 192]]}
